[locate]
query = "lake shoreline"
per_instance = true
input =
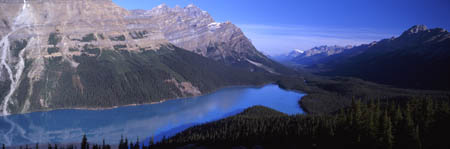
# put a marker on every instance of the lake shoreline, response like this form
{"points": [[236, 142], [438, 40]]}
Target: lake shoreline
{"points": [[150, 103], [140, 121]]}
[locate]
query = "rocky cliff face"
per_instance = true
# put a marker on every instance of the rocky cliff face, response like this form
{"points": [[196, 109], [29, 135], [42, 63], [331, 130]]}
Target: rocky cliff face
{"points": [[195, 30], [38, 36], [325, 50], [74, 19], [65, 28], [93, 53]]}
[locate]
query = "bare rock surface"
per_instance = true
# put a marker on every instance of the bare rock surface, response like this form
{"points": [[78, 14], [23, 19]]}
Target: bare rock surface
{"points": [[51, 52]]}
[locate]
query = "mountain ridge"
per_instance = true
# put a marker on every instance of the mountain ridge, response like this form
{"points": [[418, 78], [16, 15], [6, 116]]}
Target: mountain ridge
{"points": [[195, 30], [418, 58], [93, 53], [311, 56]]}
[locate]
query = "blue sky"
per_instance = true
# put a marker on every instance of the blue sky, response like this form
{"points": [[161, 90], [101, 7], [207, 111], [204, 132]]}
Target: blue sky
{"points": [[279, 26]]}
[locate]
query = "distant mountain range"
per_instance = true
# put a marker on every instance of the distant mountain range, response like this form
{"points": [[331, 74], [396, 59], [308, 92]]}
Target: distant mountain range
{"points": [[418, 58], [313, 55], [95, 54]]}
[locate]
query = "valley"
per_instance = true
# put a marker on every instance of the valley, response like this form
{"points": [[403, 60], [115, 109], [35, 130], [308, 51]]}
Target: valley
{"points": [[105, 56], [417, 59], [144, 121], [108, 75]]}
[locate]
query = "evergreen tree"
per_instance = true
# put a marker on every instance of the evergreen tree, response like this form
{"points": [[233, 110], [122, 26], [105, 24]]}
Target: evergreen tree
{"points": [[122, 143], [372, 127], [70, 147], [37, 145], [428, 112], [408, 117], [152, 141], [137, 146], [418, 143], [398, 117], [3, 146], [356, 120], [388, 137], [377, 111], [84, 143], [49, 146], [103, 143]]}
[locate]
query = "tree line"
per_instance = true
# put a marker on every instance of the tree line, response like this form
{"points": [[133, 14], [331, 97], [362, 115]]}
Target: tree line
{"points": [[123, 144], [415, 124]]}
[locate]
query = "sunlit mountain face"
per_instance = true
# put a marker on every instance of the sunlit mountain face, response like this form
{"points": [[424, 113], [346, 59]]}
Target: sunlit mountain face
{"points": [[94, 74], [95, 54]]}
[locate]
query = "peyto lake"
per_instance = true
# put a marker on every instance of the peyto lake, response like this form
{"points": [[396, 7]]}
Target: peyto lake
{"points": [[163, 119]]}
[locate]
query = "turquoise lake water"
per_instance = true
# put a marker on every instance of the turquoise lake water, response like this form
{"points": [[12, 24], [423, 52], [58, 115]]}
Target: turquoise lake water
{"points": [[163, 119]]}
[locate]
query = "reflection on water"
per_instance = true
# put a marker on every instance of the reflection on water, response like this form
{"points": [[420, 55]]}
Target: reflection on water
{"points": [[168, 118]]}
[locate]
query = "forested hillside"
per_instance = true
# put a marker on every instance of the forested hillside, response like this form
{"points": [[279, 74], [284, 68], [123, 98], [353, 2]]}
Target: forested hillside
{"points": [[329, 94], [108, 78], [414, 124], [418, 59]]}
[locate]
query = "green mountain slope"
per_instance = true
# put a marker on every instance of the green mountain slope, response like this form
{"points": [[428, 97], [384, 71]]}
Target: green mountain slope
{"points": [[418, 59], [111, 78]]}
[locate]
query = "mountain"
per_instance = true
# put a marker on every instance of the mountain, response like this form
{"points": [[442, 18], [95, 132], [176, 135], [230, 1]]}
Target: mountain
{"points": [[311, 56], [195, 30], [94, 54], [295, 53], [286, 58], [418, 58]]}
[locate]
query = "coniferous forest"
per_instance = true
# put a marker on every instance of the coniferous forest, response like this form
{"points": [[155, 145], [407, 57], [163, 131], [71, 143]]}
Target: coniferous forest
{"points": [[370, 76], [416, 124]]}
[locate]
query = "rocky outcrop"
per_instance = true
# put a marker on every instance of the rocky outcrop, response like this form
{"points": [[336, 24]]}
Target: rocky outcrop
{"points": [[40, 35], [74, 19], [195, 30], [326, 50], [81, 23], [93, 53], [63, 28], [416, 29]]}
